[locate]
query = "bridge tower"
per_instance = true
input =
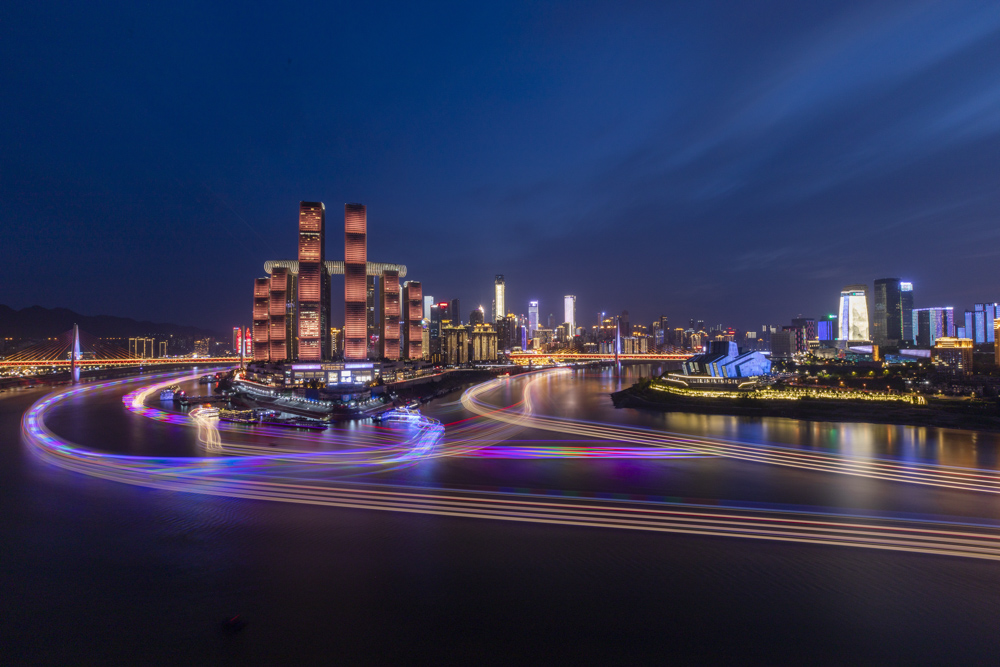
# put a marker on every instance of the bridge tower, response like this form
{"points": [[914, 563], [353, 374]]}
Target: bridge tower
{"points": [[74, 355]]}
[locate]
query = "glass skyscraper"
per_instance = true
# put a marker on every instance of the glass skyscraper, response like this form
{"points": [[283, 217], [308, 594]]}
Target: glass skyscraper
{"points": [[532, 317], [887, 312]]}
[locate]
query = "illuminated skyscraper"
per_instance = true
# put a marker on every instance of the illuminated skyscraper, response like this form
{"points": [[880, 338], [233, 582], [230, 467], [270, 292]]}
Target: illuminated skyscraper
{"points": [[854, 313], [887, 312], [532, 318], [979, 322], [929, 324], [412, 320], [388, 315], [261, 295], [906, 309], [499, 304], [569, 311], [428, 304], [355, 282], [314, 283], [278, 302]]}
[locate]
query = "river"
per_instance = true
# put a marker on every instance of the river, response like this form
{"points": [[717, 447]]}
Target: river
{"points": [[97, 571]]}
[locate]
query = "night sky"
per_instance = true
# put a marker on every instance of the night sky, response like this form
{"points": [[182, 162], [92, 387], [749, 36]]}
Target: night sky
{"points": [[733, 162]]}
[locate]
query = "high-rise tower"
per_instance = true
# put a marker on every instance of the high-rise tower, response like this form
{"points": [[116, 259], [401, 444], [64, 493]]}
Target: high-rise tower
{"points": [[355, 282], [388, 314], [499, 305], [261, 295], [278, 304], [887, 312], [413, 312], [532, 318], [906, 309], [569, 310], [313, 283], [854, 313]]}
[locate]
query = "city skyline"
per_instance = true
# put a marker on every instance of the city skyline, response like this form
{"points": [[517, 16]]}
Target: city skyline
{"points": [[811, 157]]}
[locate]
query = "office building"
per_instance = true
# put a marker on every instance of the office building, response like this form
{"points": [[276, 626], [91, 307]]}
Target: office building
{"points": [[532, 318], [454, 345], [412, 320], [276, 313], [906, 309], [440, 317], [887, 312], [483, 342], [455, 312], [954, 354], [826, 330], [569, 312], [499, 304], [388, 315], [853, 313], [996, 337], [261, 298], [355, 283], [477, 316], [979, 322], [428, 304], [782, 344], [314, 282], [929, 324]]}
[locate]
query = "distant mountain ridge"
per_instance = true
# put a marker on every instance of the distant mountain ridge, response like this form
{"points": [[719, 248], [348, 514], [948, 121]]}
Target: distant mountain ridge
{"points": [[39, 322]]}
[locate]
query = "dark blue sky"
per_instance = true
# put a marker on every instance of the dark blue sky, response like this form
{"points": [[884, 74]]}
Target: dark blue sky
{"points": [[737, 162]]}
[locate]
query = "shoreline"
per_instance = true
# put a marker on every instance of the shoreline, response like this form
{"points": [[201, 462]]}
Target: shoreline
{"points": [[955, 416]]}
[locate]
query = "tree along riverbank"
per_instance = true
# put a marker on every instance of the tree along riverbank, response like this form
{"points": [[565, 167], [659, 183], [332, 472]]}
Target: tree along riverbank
{"points": [[977, 415]]}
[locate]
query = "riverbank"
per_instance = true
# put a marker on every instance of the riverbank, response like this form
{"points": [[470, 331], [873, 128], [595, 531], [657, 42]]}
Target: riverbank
{"points": [[970, 415]]}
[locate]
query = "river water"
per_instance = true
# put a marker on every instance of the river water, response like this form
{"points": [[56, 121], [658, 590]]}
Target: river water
{"points": [[95, 571]]}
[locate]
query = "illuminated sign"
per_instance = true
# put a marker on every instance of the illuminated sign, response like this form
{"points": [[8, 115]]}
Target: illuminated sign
{"points": [[906, 287], [367, 366], [307, 367]]}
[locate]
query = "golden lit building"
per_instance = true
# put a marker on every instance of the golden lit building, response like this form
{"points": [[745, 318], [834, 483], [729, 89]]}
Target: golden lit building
{"points": [[954, 353]]}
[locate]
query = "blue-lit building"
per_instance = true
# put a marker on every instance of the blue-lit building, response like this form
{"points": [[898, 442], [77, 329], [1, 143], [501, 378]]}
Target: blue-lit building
{"points": [[979, 322], [724, 360], [929, 324]]}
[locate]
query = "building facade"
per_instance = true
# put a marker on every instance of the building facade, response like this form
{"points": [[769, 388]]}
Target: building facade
{"points": [[853, 313], [887, 312], [355, 282], [389, 316], [499, 297], [261, 300], [569, 313], [412, 320], [314, 282]]}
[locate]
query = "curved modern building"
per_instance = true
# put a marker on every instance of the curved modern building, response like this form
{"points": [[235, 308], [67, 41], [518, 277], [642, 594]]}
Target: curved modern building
{"points": [[854, 313]]}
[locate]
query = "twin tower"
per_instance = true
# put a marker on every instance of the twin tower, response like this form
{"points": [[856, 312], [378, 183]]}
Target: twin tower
{"points": [[291, 310]]}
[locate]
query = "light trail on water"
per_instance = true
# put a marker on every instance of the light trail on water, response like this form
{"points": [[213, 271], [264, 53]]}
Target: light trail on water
{"points": [[277, 477]]}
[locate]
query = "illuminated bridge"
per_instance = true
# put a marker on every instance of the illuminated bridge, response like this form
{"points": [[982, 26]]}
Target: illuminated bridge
{"points": [[526, 358], [92, 352]]}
